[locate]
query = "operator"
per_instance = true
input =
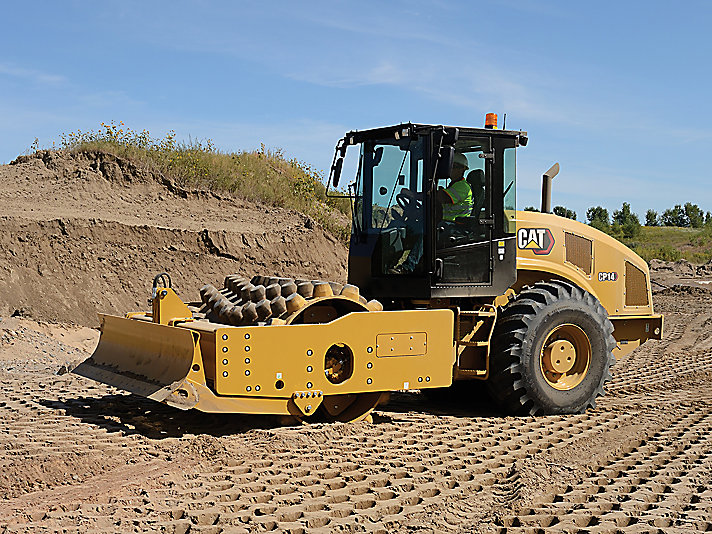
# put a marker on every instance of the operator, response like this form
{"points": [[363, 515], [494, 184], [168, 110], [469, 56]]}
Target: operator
{"points": [[455, 200]]}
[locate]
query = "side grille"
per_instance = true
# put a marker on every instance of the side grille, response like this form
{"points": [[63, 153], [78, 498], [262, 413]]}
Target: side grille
{"points": [[636, 287], [579, 252]]}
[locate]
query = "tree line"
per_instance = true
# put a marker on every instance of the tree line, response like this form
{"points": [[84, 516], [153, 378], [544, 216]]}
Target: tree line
{"points": [[625, 223]]}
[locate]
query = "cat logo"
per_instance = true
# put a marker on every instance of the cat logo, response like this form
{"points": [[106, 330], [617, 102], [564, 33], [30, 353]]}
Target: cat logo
{"points": [[538, 240]]}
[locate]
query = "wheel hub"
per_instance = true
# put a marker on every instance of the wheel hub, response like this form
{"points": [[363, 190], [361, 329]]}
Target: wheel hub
{"points": [[559, 356], [565, 357]]}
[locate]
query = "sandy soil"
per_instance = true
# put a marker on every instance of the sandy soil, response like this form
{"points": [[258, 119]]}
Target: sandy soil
{"points": [[79, 456], [87, 233]]}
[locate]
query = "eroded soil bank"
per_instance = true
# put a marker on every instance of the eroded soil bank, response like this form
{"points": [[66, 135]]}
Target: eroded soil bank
{"points": [[86, 233]]}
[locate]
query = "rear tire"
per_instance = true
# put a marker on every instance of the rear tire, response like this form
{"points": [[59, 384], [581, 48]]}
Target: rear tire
{"points": [[551, 351]]}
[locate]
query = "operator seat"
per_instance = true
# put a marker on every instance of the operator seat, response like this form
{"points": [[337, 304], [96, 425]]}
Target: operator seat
{"points": [[476, 180]]}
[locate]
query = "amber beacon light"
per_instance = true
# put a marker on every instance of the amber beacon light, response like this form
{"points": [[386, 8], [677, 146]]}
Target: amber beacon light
{"points": [[491, 121]]}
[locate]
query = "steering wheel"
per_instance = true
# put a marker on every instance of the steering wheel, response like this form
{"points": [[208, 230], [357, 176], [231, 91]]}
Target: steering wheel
{"points": [[407, 200]]}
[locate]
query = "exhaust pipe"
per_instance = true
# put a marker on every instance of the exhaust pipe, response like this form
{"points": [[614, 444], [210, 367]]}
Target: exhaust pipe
{"points": [[546, 188]]}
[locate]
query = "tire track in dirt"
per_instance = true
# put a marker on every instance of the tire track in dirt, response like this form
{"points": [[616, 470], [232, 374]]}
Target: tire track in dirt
{"points": [[685, 355], [654, 485], [641, 462], [42, 449], [375, 478]]}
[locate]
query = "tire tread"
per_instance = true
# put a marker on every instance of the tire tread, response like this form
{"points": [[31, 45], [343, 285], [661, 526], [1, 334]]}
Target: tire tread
{"points": [[506, 383]]}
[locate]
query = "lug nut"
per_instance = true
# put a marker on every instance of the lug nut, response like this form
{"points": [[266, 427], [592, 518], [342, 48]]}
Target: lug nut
{"points": [[322, 289], [295, 302], [374, 305], [278, 305], [288, 289], [205, 292], [234, 316], [245, 292], [350, 291], [257, 294], [263, 309], [336, 287], [272, 291], [305, 289], [249, 313]]}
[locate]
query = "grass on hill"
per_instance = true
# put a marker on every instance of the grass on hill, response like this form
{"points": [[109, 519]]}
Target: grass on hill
{"points": [[671, 243], [262, 176]]}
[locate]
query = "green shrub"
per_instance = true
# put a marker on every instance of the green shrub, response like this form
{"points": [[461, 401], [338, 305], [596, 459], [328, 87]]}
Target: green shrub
{"points": [[563, 211], [262, 175], [664, 252]]}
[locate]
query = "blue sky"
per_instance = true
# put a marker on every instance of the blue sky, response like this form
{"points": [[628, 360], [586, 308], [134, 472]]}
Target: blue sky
{"points": [[617, 92]]}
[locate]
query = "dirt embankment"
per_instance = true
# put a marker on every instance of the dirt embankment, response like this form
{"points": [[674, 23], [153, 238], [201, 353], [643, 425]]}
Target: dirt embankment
{"points": [[680, 274], [85, 233]]}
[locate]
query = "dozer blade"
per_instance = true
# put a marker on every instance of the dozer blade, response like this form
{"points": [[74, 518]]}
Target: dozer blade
{"points": [[147, 359]]}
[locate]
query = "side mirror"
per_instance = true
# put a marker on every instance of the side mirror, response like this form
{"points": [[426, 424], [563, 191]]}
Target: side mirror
{"points": [[444, 169], [450, 136], [377, 156], [336, 172]]}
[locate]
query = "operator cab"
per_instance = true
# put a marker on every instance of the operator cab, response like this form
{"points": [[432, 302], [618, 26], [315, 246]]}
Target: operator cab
{"points": [[409, 243]]}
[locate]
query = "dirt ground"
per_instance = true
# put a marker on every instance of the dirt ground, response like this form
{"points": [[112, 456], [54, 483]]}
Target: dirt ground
{"points": [[79, 456]]}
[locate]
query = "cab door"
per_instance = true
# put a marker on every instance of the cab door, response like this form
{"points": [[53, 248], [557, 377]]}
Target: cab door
{"points": [[463, 248]]}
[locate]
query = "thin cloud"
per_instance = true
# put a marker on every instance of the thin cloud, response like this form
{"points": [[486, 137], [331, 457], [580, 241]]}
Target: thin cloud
{"points": [[109, 100], [536, 8], [31, 74], [385, 31], [385, 73]]}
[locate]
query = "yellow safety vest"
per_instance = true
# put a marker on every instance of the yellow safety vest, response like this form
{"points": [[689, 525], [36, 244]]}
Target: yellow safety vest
{"points": [[461, 196]]}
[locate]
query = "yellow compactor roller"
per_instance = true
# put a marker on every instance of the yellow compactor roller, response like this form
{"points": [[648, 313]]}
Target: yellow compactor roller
{"points": [[534, 305]]}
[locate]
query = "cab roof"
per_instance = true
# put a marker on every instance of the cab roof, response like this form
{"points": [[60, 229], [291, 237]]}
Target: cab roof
{"points": [[358, 136]]}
